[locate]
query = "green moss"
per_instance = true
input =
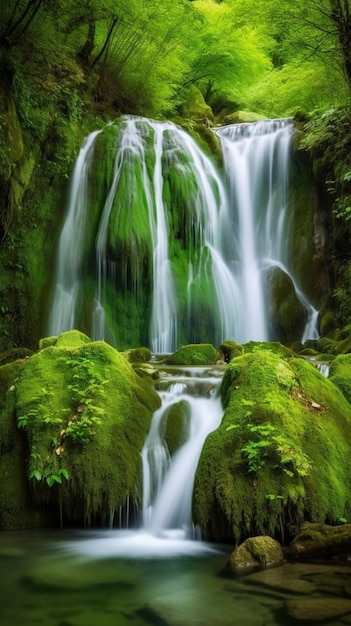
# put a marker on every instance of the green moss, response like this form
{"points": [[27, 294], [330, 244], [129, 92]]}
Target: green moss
{"points": [[339, 374], [176, 425], [229, 350], [85, 414], [334, 346], [16, 509], [138, 355], [281, 453], [193, 354]]}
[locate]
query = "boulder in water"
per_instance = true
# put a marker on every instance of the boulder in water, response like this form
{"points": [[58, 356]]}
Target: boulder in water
{"points": [[83, 415], [255, 553], [281, 453]]}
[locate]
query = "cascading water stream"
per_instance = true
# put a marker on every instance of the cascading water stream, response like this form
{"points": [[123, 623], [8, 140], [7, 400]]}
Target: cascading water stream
{"points": [[190, 397], [257, 159], [168, 481], [205, 248]]}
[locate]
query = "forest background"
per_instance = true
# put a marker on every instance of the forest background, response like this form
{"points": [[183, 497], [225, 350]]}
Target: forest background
{"points": [[67, 68]]}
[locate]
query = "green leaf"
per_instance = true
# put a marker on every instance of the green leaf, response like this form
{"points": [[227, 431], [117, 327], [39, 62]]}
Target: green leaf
{"points": [[53, 479], [36, 474], [63, 472]]}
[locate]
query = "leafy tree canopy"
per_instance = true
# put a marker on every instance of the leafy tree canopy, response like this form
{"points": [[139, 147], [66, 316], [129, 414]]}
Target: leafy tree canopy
{"points": [[140, 56]]}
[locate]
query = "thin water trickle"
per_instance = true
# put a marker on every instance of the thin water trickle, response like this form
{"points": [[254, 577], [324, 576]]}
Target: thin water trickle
{"points": [[71, 244]]}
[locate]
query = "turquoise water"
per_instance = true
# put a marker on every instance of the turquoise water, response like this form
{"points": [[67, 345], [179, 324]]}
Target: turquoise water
{"points": [[86, 579]]}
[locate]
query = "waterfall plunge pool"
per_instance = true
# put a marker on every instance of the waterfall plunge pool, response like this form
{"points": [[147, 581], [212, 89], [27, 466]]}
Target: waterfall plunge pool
{"points": [[157, 575], [57, 579]]}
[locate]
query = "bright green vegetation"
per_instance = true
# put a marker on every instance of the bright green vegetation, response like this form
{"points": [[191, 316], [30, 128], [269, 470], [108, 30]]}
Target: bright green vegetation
{"points": [[82, 414], [67, 71], [339, 374], [281, 454]]}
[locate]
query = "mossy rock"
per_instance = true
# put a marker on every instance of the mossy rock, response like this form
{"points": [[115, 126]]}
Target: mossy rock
{"points": [[228, 350], [340, 374], [85, 414], [243, 117], [272, 346], [176, 425], [316, 541], [70, 338], [327, 323], [194, 354], [253, 554], [16, 507], [13, 354], [334, 346], [194, 106], [266, 463], [138, 355], [286, 314]]}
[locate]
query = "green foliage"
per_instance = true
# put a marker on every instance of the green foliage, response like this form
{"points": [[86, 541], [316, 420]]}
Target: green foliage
{"points": [[88, 383]]}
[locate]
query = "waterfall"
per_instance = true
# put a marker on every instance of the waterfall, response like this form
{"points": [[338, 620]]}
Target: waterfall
{"points": [[181, 253], [257, 160], [190, 397], [168, 481], [71, 244]]}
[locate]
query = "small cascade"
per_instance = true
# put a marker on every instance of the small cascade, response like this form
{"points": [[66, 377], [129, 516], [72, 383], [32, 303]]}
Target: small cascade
{"points": [[324, 369], [168, 480]]}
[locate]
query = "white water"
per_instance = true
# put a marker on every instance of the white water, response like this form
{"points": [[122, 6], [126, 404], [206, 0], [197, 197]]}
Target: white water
{"points": [[71, 244], [168, 482], [257, 159], [167, 529], [235, 230]]}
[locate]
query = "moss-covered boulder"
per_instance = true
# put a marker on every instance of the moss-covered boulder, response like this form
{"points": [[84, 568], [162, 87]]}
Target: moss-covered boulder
{"points": [[138, 355], [334, 346], [176, 425], [230, 349], [83, 414], [194, 106], [255, 553], [281, 453], [286, 313], [243, 117], [16, 508], [194, 354], [340, 374], [320, 541]]}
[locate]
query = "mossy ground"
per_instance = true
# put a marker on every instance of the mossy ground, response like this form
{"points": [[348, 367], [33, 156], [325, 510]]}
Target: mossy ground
{"points": [[281, 454], [83, 415]]}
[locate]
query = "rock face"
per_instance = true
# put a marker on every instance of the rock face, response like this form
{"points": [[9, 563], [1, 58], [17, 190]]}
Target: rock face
{"points": [[255, 553], [281, 453]]}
